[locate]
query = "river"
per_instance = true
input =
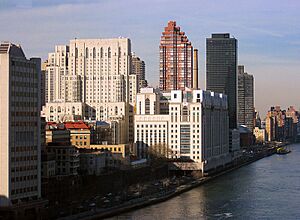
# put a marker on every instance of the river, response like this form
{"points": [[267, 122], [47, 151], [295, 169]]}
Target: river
{"points": [[266, 189]]}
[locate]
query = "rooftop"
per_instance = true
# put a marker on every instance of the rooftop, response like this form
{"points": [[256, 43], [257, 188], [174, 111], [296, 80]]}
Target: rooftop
{"points": [[76, 125]]}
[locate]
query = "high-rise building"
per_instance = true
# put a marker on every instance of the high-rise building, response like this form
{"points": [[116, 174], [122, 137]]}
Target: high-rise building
{"points": [[138, 69], [133, 87], [221, 70], [90, 71], [20, 125], [94, 73], [43, 83], [56, 73], [246, 110], [176, 59], [101, 68]]}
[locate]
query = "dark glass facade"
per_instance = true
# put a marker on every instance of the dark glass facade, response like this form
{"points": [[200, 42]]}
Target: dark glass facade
{"points": [[221, 70]]}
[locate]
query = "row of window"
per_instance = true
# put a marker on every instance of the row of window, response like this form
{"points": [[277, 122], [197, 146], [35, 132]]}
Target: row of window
{"points": [[23, 158], [23, 178], [150, 126], [24, 168], [24, 123], [23, 148], [23, 114], [24, 190]]}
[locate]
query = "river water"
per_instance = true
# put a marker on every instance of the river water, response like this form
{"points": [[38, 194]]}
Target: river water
{"points": [[266, 189]]}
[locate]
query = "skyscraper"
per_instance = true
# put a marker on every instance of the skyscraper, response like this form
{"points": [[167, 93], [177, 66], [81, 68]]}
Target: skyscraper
{"points": [[176, 59], [90, 79], [89, 70], [138, 69], [56, 73], [20, 124], [245, 99], [221, 70]]}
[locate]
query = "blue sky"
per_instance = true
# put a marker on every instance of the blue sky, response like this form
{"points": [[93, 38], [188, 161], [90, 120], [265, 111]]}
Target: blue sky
{"points": [[267, 32]]}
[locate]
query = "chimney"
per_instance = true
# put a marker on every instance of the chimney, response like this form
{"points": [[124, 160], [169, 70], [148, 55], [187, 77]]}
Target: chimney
{"points": [[195, 70]]}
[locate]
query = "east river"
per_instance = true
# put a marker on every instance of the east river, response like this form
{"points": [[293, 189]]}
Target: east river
{"points": [[266, 189]]}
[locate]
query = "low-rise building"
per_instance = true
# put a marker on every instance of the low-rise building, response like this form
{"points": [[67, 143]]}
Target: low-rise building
{"points": [[122, 149], [93, 162], [48, 165], [260, 134], [151, 136], [246, 136], [79, 134], [66, 157]]}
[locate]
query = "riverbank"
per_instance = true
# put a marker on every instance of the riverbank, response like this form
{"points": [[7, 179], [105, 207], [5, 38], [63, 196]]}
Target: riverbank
{"points": [[168, 193]]}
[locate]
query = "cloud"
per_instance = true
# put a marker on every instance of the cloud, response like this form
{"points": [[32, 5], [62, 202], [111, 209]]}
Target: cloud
{"points": [[267, 31]]}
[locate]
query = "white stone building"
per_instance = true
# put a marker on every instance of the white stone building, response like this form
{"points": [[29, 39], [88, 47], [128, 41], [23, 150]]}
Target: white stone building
{"points": [[56, 71], [196, 127], [94, 74], [133, 88], [89, 71], [64, 111], [20, 125]]}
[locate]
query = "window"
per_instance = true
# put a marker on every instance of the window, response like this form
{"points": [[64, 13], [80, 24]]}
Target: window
{"points": [[109, 52], [147, 106], [76, 52], [185, 113], [87, 52], [94, 52]]}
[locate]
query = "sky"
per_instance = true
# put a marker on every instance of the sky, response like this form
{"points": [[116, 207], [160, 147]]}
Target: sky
{"points": [[268, 34]]}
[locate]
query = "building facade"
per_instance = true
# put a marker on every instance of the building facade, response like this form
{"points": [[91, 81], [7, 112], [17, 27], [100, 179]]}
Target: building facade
{"points": [[260, 135], [66, 158], [89, 79], [196, 128], [138, 68], [246, 111], [89, 71], [20, 125], [176, 59], [221, 70], [56, 71]]}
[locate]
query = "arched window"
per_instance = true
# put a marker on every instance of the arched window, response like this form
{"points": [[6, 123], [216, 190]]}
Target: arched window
{"points": [[58, 109], [120, 51], [94, 52], [147, 106], [51, 109], [76, 52], [185, 113], [87, 52], [109, 52]]}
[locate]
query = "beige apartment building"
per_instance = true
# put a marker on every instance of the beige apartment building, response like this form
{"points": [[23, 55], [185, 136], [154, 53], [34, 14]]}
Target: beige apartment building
{"points": [[20, 147], [93, 73]]}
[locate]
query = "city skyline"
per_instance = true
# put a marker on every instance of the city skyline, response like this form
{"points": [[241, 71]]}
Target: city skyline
{"points": [[267, 34]]}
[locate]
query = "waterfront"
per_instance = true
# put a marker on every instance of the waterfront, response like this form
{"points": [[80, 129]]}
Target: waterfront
{"points": [[266, 189]]}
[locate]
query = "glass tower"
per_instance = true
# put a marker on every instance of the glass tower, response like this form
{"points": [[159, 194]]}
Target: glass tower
{"points": [[221, 70]]}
